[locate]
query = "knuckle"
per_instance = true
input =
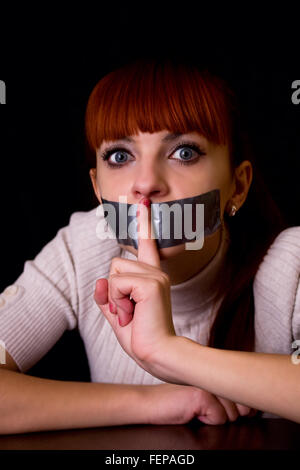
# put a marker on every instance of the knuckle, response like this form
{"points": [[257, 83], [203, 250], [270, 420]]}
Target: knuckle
{"points": [[196, 396], [154, 284], [243, 410], [114, 262], [221, 418], [166, 279], [112, 277], [233, 418], [233, 415], [252, 412], [162, 279]]}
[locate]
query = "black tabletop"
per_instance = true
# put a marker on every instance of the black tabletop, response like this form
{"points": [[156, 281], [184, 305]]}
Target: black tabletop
{"points": [[243, 434]]}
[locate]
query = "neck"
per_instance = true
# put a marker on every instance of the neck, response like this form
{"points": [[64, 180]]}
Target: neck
{"points": [[188, 263]]}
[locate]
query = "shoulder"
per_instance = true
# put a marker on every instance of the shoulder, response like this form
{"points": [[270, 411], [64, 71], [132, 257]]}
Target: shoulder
{"points": [[289, 241], [276, 290], [280, 266], [282, 260], [87, 230], [69, 238], [91, 245], [79, 245], [82, 220]]}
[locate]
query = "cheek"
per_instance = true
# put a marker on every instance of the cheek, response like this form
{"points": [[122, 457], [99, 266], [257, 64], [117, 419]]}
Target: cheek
{"points": [[111, 180], [108, 186], [214, 178], [223, 201], [224, 186], [219, 178]]}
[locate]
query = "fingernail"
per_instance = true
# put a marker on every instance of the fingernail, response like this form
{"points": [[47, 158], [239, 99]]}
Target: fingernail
{"points": [[111, 307], [147, 202]]}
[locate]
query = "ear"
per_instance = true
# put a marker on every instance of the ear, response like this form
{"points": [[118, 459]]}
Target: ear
{"points": [[242, 182], [93, 176]]}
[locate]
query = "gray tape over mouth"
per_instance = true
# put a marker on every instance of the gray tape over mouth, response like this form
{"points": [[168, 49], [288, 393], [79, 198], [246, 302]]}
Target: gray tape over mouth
{"points": [[174, 222]]}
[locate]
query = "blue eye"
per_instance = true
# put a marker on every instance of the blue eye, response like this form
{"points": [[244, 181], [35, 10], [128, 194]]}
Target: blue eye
{"points": [[120, 156], [185, 154], [186, 151]]}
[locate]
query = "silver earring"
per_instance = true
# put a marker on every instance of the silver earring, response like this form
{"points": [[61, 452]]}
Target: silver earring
{"points": [[233, 210], [105, 221]]}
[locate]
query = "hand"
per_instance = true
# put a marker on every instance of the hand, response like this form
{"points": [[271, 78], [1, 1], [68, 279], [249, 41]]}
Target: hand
{"points": [[234, 410], [141, 328], [179, 404], [147, 326]]}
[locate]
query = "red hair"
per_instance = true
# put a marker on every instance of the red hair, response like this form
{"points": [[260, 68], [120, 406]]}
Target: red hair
{"points": [[153, 95]]}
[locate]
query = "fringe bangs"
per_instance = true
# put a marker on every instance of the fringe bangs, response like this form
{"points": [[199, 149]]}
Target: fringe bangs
{"points": [[150, 96]]}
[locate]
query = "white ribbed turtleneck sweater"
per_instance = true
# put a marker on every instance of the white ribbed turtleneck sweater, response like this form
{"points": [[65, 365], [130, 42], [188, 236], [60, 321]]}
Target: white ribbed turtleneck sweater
{"points": [[55, 292]]}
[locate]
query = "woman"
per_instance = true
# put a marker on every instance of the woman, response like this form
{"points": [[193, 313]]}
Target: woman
{"points": [[203, 299]]}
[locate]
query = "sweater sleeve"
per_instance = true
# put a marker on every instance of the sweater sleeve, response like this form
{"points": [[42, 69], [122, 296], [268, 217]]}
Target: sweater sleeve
{"points": [[277, 295], [296, 316], [41, 304]]}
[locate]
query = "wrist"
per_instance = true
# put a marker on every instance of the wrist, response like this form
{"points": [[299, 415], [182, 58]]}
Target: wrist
{"points": [[167, 363], [125, 404], [151, 399]]}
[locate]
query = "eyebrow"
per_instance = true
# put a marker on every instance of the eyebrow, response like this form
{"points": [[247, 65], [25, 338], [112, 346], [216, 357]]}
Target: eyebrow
{"points": [[170, 137], [167, 138]]}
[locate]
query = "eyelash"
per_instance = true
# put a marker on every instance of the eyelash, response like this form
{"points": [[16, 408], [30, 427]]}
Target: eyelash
{"points": [[108, 152]]}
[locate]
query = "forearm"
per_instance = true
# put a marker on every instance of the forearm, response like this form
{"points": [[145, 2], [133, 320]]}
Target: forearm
{"points": [[31, 404], [267, 382]]}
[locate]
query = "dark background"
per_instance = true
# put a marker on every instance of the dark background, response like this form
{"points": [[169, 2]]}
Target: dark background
{"points": [[49, 73]]}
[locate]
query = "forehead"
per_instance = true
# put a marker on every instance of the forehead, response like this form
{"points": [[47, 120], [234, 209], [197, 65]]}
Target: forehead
{"points": [[161, 137]]}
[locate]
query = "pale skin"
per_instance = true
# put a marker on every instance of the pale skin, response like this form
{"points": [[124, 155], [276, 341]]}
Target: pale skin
{"points": [[268, 382], [151, 171], [29, 404]]}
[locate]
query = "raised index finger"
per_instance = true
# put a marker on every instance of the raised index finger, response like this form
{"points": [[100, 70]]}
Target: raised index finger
{"points": [[147, 248]]}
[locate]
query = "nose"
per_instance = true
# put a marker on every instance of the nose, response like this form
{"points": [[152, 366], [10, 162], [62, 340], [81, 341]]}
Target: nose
{"points": [[149, 182]]}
